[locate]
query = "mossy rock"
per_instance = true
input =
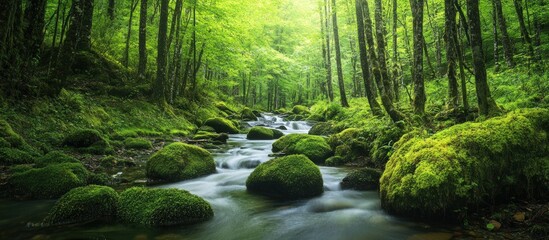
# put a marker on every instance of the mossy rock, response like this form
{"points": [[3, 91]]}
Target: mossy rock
{"points": [[49, 182], [206, 129], [82, 138], [468, 165], [222, 125], [9, 136], [316, 148], [20, 168], [137, 143], [262, 133], [84, 205], [289, 177], [365, 179], [12, 156], [336, 161], [179, 161], [248, 115], [55, 157], [162, 207], [323, 129], [223, 107], [300, 110], [344, 137]]}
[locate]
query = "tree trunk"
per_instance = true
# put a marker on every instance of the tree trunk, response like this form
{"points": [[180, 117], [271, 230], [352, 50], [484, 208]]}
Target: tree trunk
{"points": [[142, 67], [34, 32], [340, 80], [328, 53], [79, 33], [523, 30], [436, 35], [451, 52], [496, 35], [396, 68], [364, 64], [159, 84], [486, 104], [505, 40], [325, 59], [419, 87], [129, 34], [380, 40], [110, 9]]}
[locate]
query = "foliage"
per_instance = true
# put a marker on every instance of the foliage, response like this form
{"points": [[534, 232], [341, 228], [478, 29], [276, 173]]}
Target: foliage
{"points": [[289, 177], [179, 161], [162, 207], [84, 205]]}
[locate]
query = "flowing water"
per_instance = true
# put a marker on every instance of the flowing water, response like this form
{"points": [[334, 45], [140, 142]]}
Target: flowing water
{"points": [[337, 214]]}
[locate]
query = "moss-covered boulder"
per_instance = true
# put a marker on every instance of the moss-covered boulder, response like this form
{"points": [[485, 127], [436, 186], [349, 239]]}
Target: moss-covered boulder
{"points": [[222, 125], [323, 129], [223, 107], [289, 177], [84, 205], [365, 179], [11, 156], [248, 115], [316, 148], [137, 143], [49, 182], [88, 141], [179, 161], [300, 110], [262, 133], [219, 138], [468, 165], [335, 161], [54, 157], [8, 136], [162, 207]]}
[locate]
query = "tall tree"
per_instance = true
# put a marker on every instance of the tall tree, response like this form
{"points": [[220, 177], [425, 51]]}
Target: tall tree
{"points": [[324, 52], [126, 59], [523, 30], [505, 40], [162, 58], [486, 104], [142, 66], [451, 54], [110, 9], [340, 81], [79, 33], [328, 53], [496, 35], [364, 64], [396, 66], [34, 32], [419, 85]]}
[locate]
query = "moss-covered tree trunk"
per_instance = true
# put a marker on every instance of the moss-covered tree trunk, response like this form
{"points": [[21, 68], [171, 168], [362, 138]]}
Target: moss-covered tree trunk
{"points": [[396, 65], [486, 104], [505, 40], [328, 53], [79, 33], [126, 59], [364, 63], [324, 53], [34, 32], [451, 40], [523, 30], [159, 84], [417, 77], [341, 83], [142, 66]]}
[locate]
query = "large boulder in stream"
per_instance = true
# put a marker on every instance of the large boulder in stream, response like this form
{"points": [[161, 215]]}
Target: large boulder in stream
{"points": [[83, 205], [289, 177], [162, 207], [179, 161], [221, 125], [262, 133], [248, 115], [469, 165], [315, 148], [365, 179]]}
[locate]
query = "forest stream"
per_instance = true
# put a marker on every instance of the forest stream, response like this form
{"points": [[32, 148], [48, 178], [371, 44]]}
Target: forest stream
{"points": [[337, 214]]}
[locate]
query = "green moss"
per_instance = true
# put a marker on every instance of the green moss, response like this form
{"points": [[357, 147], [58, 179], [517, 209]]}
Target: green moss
{"points": [[335, 161], [223, 107], [365, 179], [323, 129], [344, 137], [179, 161], [101, 147], [137, 143], [300, 110], [289, 177], [48, 182], [248, 115], [55, 157], [277, 133], [99, 179], [19, 168], [83, 205], [11, 156], [468, 165], [82, 138], [4, 143], [262, 133], [221, 125], [315, 148], [162, 207], [203, 135], [10, 136], [135, 133]]}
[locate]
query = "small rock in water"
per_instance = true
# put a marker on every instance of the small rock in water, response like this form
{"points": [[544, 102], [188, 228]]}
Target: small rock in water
{"points": [[249, 164], [225, 165], [283, 128]]}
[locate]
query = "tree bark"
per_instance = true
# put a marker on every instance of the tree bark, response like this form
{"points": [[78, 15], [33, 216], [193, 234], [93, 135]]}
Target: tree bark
{"points": [[34, 32], [380, 40], [324, 52], [328, 54], [110, 9], [419, 85], [505, 40], [523, 30], [340, 80], [364, 64], [159, 84], [126, 59], [79, 33], [142, 66], [451, 52], [396, 68], [496, 36], [486, 104]]}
